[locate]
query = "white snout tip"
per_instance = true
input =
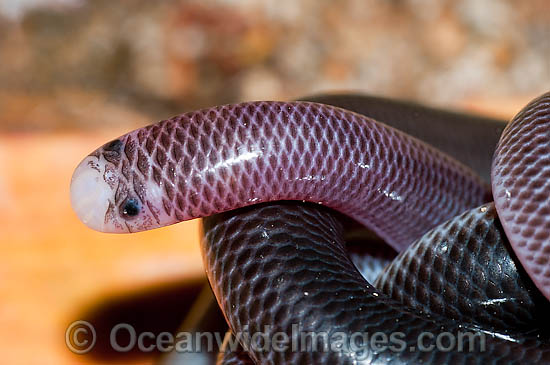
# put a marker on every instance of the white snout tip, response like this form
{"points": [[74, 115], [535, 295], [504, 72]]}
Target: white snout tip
{"points": [[90, 193]]}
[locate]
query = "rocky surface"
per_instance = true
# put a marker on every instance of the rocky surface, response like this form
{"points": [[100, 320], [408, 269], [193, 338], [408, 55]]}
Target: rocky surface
{"points": [[78, 63]]}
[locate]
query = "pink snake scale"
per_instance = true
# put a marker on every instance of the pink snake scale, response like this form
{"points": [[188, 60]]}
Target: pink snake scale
{"points": [[521, 188], [226, 157]]}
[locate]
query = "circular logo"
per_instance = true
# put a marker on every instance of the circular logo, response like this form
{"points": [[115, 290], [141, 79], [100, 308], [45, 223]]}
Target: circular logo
{"points": [[80, 337]]}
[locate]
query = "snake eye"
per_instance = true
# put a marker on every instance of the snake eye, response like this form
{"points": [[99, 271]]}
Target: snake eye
{"points": [[130, 208]]}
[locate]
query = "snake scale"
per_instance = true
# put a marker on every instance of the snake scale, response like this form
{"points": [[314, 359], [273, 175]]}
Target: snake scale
{"points": [[285, 264]]}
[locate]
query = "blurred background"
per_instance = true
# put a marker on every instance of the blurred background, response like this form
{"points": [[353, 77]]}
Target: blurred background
{"points": [[76, 73]]}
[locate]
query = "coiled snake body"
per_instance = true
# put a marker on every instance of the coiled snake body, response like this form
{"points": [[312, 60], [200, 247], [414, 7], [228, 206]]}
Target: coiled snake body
{"points": [[285, 265]]}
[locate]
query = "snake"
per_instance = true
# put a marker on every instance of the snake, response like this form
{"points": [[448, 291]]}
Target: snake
{"points": [[285, 264]]}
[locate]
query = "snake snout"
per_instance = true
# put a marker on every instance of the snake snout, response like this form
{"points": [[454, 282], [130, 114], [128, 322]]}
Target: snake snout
{"points": [[90, 194]]}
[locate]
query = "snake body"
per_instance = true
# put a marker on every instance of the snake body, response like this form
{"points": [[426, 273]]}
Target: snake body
{"points": [[301, 274], [470, 139], [228, 157], [521, 183]]}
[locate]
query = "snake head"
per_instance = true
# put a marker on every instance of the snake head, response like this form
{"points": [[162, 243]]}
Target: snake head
{"points": [[108, 195]]}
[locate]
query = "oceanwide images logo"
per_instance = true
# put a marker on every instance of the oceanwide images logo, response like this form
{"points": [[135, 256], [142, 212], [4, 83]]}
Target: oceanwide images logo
{"points": [[81, 337]]}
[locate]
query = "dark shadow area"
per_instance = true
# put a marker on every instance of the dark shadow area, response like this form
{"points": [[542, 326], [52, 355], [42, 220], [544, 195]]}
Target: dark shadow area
{"points": [[157, 309]]}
